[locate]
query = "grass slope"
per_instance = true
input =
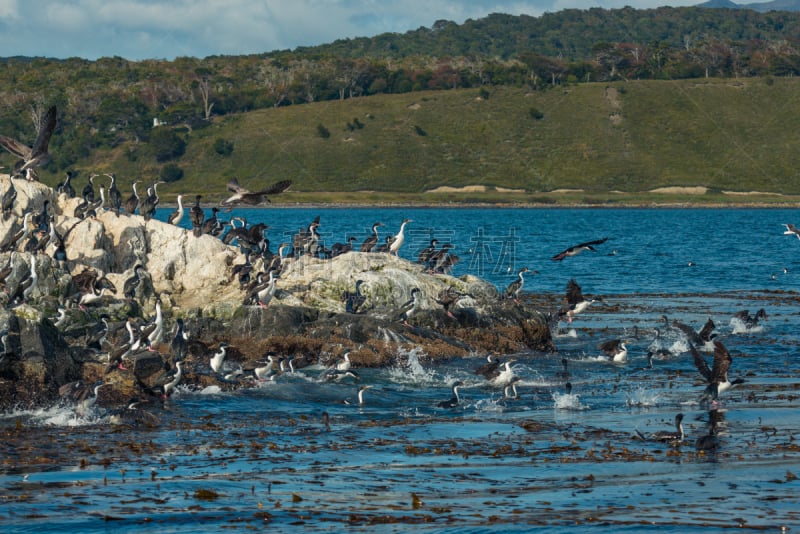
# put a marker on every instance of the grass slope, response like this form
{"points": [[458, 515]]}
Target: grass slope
{"points": [[737, 135]]}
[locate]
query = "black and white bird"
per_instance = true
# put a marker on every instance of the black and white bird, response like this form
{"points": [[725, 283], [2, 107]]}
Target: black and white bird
{"points": [[717, 376], [710, 441], [372, 240], [218, 357], [666, 436], [196, 216], [252, 198], [577, 249], [453, 401], [792, 230], [353, 300], [399, 238], [750, 321], [37, 155], [410, 307], [177, 216], [489, 369], [615, 349], [133, 282], [704, 339], [514, 288], [575, 302], [66, 187]]}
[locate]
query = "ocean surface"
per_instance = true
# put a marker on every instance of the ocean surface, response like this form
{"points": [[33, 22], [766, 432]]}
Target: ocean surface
{"points": [[263, 457]]}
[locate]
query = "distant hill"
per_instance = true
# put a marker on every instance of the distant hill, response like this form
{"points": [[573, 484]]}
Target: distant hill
{"points": [[761, 7]]}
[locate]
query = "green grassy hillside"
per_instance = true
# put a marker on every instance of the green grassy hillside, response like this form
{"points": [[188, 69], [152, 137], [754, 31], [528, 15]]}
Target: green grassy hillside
{"points": [[726, 135]]}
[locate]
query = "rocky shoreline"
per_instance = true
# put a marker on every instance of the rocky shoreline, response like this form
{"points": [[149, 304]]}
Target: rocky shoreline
{"points": [[50, 319]]}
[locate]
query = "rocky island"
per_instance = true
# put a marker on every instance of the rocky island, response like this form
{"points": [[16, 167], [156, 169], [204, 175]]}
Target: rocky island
{"points": [[94, 295]]}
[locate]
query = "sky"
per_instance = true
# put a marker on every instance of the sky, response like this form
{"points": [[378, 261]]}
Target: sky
{"points": [[165, 29]]}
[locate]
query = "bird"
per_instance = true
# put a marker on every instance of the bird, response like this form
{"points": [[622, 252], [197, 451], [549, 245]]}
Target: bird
{"points": [[353, 300], [702, 339], [173, 380], [489, 369], [132, 202], [132, 283], [66, 186], [710, 441], [514, 288], [8, 199], [80, 393], [666, 436], [178, 347], [510, 391], [219, 357], [717, 376], [114, 194], [426, 253], [453, 401], [615, 349], [577, 249], [750, 321], [133, 414], [253, 198], [176, 216], [503, 375], [399, 238], [87, 193], [575, 301], [263, 294], [342, 248], [564, 373], [792, 230], [370, 242], [409, 307], [447, 297], [197, 215], [361, 391], [36, 155]]}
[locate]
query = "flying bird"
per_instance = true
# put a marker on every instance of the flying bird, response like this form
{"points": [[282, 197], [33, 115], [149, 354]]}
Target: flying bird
{"points": [[792, 230], [243, 196], [577, 249], [575, 301], [717, 376], [36, 155]]}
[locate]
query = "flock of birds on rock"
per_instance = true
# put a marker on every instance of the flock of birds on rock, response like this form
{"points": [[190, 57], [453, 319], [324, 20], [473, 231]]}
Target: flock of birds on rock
{"points": [[123, 342]]}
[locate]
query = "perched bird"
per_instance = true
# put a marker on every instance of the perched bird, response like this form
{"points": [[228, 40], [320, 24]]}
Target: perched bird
{"points": [[409, 307], [132, 202], [453, 401], [447, 297], [176, 216], [36, 155], [514, 288], [717, 376], [615, 349], [66, 186], [426, 253], [219, 357], [87, 193], [178, 347], [666, 436], [575, 302], [372, 240], [342, 248], [243, 196], [8, 199], [114, 194], [399, 238], [172, 381], [577, 249], [353, 300], [792, 230], [197, 215], [132, 283]]}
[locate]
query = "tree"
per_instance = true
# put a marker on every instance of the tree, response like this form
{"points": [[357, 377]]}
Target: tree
{"points": [[203, 85]]}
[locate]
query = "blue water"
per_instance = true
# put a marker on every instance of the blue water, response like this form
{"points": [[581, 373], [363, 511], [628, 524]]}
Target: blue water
{"points": [[544, 460]]}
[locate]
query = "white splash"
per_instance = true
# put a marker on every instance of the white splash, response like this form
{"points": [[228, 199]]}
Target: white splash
{"points": [[60, 416], [568, 401], [739, 327], [412, 370], [641, 396]]}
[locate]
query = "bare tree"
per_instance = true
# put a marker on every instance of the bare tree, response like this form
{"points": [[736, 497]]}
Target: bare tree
{"points": [[204, 86]]}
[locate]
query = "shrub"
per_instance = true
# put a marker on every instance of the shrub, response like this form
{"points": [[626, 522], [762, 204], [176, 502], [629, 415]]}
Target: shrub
{"points": [[166, 144], [420, 131], [535, 114], [223, 147], [170, 173], [323, 131]]}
